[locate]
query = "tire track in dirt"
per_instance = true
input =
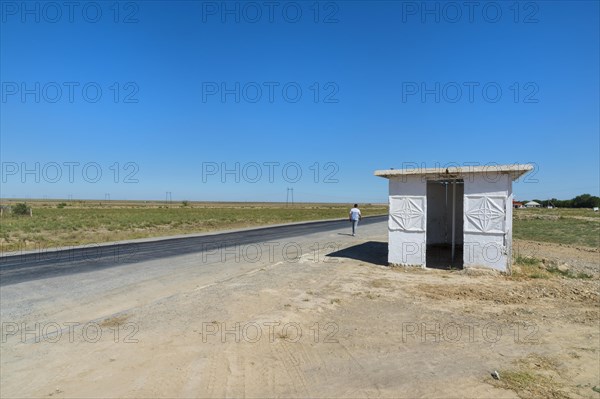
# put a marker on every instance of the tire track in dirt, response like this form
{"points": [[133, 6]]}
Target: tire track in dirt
{"points": [[292, 368]]}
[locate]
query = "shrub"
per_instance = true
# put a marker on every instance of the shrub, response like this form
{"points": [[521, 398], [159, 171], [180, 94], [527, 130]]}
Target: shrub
{"points": [[527, 261], [20, 209]]}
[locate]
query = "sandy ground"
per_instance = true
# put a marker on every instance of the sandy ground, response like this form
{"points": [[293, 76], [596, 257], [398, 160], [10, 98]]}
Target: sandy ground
{"points": [[303, 326]]}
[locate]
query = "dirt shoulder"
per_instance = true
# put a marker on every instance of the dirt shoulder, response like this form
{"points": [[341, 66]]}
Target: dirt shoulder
{"points": [[330, 327], [577, 258]]}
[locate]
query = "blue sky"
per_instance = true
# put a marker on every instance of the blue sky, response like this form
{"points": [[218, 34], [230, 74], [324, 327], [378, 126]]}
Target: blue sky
{"points": [[136, 99]]}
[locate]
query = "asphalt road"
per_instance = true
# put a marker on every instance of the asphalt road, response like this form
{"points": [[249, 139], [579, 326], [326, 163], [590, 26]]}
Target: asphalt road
{"points": [[33, 266]]}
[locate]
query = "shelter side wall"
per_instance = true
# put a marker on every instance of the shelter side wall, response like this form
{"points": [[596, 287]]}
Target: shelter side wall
{"points": [[407, 220], [406, 248], [509, 227], [487, 221], [408, 185]]}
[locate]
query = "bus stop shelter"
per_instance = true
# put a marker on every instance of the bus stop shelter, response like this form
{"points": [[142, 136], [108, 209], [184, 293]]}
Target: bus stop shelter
{"points": [[455, 217]]}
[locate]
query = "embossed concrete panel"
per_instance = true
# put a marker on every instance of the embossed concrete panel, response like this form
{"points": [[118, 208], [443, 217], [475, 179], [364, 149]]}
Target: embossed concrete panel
{"points": [[485, 214], [407, 213]]}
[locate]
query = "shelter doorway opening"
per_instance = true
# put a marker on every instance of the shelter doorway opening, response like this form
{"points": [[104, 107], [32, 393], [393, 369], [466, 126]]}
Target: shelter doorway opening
{"points": [[445, 219]]}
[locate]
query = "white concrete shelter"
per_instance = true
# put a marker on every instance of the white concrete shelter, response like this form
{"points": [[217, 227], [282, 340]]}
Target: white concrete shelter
{"points": [[458, 216]]}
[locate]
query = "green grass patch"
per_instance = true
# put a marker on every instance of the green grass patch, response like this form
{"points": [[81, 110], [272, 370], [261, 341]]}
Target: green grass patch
{"points": [[563, 230], [534, 268], [527, 260], [527, 380], [553, 269], [579, 227], [529, 385]]}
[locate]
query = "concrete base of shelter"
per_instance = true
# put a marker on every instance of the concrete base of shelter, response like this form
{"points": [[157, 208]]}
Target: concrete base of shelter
{"points": [[390, 264]]}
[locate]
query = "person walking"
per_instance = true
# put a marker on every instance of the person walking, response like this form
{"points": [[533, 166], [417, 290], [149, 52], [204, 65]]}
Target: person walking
{"points": [[354, 217]]}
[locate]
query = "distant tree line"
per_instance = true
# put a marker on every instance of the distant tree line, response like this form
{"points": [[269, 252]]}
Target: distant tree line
{"points": [[581, 201]]}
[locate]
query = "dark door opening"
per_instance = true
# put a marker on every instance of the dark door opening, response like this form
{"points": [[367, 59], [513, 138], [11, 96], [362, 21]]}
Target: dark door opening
{"points": [[445, 224]]}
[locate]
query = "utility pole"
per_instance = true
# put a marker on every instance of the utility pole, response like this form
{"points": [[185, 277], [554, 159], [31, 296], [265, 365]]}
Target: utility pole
{"points": [[289, 197], [168, 197]]}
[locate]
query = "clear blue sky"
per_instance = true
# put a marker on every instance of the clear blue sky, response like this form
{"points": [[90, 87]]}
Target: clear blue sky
{"points": [[379, 86]]}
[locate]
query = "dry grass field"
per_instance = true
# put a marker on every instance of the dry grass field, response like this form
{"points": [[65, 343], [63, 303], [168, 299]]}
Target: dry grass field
{"points": [[58, 223]]}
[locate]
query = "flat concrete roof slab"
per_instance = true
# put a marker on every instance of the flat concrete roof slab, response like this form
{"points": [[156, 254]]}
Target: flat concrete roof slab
{"points": [[515, 170]]}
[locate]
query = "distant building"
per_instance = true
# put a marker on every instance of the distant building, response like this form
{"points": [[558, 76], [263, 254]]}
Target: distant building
{"points": [[459, 217], [517, 204], [532, 204]]}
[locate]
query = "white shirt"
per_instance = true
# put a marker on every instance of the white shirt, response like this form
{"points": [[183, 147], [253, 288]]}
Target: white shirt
{"points": [[355, 214]]}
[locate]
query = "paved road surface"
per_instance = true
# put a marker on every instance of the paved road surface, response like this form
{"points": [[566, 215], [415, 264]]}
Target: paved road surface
{"points": [[33, 266]]}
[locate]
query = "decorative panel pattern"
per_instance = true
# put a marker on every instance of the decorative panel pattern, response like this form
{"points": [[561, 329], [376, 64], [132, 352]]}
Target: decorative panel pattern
{"points": [[407, 213], [485, 214]]}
